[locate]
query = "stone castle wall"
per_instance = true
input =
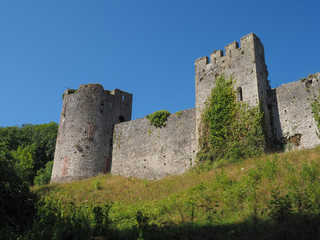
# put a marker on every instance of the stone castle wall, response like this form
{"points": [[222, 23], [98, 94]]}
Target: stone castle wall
{"points": [[145, 151], [96, 135], [292, 120]]}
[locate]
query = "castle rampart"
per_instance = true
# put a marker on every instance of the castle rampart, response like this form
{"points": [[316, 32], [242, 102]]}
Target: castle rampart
{"points": [[293, 124], [94, 136], [145, 151]]}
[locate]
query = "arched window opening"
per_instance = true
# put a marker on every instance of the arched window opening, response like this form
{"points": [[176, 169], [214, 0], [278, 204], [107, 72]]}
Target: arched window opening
{"points": [[121, 119], [239, 94]]}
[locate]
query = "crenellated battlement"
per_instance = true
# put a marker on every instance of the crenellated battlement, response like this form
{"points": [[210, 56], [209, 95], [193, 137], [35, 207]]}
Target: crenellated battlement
{"points": [[95, 88], [244, 62], [232, 50]]}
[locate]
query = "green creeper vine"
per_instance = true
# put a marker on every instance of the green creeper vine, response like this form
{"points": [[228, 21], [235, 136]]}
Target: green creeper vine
{"points": [[229, 129], [315, 108]]}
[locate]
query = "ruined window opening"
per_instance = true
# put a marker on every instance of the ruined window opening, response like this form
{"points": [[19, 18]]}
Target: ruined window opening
{"points": [[239, 94], [215, 60], [121, 119], [308, 83], [269, 106], [122, 98], [230, 53], [101, 108]]}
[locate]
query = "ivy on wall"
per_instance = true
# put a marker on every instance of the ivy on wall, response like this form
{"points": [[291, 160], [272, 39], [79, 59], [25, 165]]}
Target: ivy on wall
{"points": [[315, 108], [229, 129]]}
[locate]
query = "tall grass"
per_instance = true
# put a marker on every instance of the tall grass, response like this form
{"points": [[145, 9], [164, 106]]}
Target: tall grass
{"points": [[270, 197]]}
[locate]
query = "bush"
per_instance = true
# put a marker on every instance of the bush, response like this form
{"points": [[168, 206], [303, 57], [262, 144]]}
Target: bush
{"points": [[44, 174], [159, 118]]}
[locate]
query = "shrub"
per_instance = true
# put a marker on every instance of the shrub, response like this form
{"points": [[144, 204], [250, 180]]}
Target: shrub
{"points": [[44, 174], [159, 118]]}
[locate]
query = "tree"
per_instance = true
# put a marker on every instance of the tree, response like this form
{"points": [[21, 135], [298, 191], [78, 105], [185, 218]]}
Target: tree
{"points": [[16, 200]]}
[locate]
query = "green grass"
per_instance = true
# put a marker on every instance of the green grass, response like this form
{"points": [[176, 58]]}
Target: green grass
{"points": [[268, 197]]}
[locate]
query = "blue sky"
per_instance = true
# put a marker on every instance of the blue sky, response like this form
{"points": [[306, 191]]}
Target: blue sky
{"points": [[144, 47]]}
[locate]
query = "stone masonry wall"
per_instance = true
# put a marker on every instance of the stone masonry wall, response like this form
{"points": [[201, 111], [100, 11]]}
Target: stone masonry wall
{"points": [[293, 122], [145, 151]]}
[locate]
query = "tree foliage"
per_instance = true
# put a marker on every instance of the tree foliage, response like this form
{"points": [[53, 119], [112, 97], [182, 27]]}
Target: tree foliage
{"points": [[23, 150], [24, 161], [28, 148], [16, 201], [229, 129]]}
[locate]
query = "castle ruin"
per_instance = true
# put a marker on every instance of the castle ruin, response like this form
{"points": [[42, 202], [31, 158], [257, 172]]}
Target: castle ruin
{"points": [[96, 134]]}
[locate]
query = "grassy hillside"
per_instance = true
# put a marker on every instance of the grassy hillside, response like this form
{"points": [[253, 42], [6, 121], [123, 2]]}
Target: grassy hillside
{"points": [[275, 196]]}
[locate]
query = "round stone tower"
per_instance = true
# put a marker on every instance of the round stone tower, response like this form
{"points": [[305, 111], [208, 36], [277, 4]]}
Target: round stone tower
{"points": [[84, 142]]}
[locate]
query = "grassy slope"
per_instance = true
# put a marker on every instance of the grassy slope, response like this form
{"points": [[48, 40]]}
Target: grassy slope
{"points": [[234, 200]]}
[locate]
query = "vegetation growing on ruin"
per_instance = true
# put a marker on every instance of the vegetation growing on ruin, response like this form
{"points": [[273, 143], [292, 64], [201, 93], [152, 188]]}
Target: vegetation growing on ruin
{"points": [[230, 130], [159, 118], [315, 108], [69, 91], [179, 114]]}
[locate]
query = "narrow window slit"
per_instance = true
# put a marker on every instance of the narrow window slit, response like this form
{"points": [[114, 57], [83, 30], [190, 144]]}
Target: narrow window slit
{"points": [[239, 94]]}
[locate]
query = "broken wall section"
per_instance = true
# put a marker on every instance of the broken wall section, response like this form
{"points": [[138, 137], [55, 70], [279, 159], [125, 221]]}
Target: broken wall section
{"points": [[145, 151], [293, 124]]}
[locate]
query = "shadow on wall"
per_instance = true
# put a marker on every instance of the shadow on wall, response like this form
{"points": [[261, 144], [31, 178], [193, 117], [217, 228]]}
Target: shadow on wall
{"points": [[275, 123]]}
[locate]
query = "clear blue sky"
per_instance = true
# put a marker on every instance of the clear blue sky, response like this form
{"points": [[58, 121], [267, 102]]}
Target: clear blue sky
{"points": [[144, 47]]}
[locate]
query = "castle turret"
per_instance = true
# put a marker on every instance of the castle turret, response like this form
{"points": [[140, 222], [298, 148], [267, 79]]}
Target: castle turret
{"points": [[246, 64], [84, 142]]}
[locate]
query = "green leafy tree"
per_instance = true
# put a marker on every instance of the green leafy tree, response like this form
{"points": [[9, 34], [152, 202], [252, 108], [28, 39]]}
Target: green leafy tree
{"points": [[36, 142], [24, 161], [16, 201]]}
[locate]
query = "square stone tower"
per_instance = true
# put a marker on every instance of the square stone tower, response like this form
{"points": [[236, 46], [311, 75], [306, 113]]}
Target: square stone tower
{"points": [[246, 64]]}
